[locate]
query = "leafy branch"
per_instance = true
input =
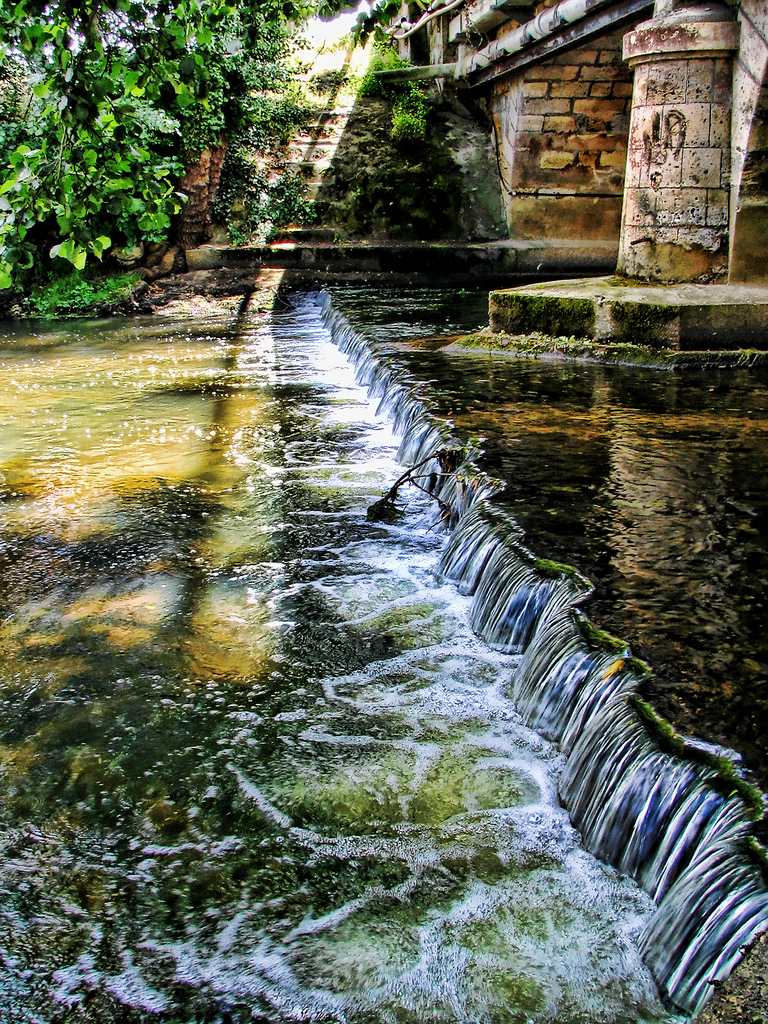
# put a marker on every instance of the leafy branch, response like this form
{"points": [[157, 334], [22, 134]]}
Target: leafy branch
{"points": [[120, 93]]}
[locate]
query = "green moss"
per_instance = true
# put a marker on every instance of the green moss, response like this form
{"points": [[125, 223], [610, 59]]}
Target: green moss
{"points": [[168, 817], [489, 866], [556, 570], [639, 667], [725, 780], [598, 637], [758, 854], [645, 323], [620, 281], [87, 885], [455, 786], [639, 355], [524, 313], [658, 728], [481, 339], [522, 996], [535, 344], [602, 640]]}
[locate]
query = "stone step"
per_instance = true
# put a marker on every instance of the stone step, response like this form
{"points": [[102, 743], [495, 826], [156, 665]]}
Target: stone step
{"points": [[327, 125], [328, 121], [308, 169], [325, 141], [502, 261], [308, 154], [299, 234]]}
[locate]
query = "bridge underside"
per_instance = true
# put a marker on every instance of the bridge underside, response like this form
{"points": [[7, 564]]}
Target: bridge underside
{"points": [[622, 122]]}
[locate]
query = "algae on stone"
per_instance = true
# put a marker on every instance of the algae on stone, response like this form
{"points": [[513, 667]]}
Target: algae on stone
{"points": [[725, 780], [524, 313], [645, 323]]}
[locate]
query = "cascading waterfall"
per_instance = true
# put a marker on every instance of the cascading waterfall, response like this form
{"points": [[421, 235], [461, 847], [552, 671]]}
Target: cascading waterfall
{"points": [[568, 674], [676, 820], [422, 434], [514, 593]]}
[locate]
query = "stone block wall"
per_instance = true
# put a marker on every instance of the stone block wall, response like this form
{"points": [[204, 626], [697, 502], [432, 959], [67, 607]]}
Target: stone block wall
{"points": [[561, 129], [668, 120], [678, 170], [749, 146]]}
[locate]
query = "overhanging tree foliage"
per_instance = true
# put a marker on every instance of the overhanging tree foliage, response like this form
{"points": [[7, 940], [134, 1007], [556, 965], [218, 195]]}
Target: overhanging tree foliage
{"points": [[100, 103]]}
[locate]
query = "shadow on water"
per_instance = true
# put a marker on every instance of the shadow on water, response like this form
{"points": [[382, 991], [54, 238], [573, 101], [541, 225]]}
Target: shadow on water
{"points": [[255, 766], [84, 680]]}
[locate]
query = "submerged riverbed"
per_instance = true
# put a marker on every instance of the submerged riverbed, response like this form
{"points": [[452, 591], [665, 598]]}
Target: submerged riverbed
{"points": [[255, 763]]}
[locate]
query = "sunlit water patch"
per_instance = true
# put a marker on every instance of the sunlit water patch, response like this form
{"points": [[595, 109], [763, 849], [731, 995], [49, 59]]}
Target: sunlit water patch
{"points": [[674, 814], [255, 763]]}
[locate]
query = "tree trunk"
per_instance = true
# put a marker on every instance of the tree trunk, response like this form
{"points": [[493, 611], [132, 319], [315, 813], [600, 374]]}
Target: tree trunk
{"points": [[199, 184]]}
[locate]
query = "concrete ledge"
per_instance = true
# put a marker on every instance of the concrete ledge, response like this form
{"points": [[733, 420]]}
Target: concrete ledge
{"points": [[685, 317], [497, 262]]}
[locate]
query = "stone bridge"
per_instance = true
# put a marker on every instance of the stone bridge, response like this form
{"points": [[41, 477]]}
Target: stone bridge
{"points": [[640, 128]]}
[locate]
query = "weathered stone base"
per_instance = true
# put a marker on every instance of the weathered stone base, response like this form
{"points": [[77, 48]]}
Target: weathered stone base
{"points": [[686, 317]]}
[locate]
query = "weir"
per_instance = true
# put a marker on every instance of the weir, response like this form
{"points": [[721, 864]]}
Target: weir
{"points": [[670, 812]]}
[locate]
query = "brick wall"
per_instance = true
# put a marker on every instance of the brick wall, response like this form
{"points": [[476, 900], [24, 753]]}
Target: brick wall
{"points": [[562, 130]]}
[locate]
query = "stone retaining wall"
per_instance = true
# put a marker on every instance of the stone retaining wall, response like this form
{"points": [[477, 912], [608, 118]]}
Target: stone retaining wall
{"points": [[561, 128]]}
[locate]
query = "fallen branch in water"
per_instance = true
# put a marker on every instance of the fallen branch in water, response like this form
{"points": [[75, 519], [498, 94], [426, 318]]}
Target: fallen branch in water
{"points": [[385, 510]]}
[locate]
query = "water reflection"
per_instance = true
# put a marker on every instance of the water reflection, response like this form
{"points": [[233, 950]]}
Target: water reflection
{"points": [[255, 765], [654, 485]]}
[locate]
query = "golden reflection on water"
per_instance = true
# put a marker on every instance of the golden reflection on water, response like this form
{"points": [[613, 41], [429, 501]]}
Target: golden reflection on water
{"points": [[75, 433], [196, 765], [90, 438]]}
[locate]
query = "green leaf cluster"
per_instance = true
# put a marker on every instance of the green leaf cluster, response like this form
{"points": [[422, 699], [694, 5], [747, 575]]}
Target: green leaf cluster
{"points": [[72, 294], [384, 57], [409, 106], [103, 102], [252, 202], [370, 22]]}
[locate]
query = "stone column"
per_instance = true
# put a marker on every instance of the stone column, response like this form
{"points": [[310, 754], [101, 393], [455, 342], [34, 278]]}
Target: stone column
{"points": [[676, 190]]}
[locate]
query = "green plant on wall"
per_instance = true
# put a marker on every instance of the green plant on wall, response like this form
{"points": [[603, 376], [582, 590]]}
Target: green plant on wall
{"points": [[409, 107], [409, 116], [257, 192], [394, 176]]}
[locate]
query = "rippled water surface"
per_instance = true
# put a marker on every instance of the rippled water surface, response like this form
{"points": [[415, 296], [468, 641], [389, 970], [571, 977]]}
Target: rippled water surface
{"points": [[654, 484], [255, 765]]}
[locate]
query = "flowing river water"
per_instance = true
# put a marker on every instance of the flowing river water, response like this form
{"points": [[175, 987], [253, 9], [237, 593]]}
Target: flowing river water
{"points": [[256, 762]]}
